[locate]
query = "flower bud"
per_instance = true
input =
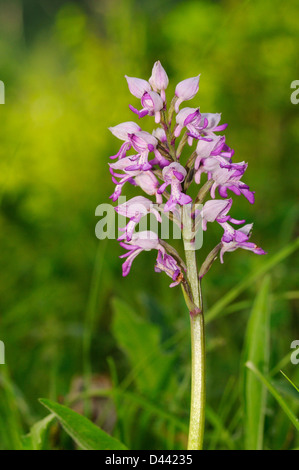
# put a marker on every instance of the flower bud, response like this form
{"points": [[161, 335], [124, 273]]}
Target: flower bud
{"points": [[159, 79], [186, 90]]}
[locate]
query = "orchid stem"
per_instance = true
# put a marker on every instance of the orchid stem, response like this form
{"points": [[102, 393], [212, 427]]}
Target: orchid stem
{"points": [[198, 386]]}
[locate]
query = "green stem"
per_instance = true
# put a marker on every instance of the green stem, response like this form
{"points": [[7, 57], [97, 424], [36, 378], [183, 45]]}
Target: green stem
{"points": [[198, 387]]}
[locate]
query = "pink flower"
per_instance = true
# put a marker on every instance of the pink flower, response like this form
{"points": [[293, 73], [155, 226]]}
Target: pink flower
{"points": [[152, 104], [228, 176], [168, 264], [174, 175], [135, 209], [122, 131], [234, 239], [216, 210], [144, 143], [142, 241], [126, 177]]}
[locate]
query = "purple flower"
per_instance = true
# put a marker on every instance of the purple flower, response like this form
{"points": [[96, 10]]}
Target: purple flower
{"points": [[142, 241], [159, 79], [122, 131], [210, 123], [152, 104], [138, 86], [135, 209], [205, 149], [160, 134], [169, 265], [227, 176], [234, 239], [126, 177], [217, 209], [144, 143], [174, 175], [189, 118], [186, 90]]}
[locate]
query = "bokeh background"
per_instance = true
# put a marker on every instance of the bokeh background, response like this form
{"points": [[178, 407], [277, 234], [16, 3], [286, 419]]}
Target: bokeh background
{"points": [[67, 316]]}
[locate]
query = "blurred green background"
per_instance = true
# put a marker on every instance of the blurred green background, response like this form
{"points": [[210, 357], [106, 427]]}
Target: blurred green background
{"points": [[63, 65]]}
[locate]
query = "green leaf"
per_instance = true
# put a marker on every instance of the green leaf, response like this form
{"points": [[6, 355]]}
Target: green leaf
{"points": [[292, 383], [141, 341], [275, 394], [35, 439], [86, 434], [218, 308], [257, 352]]}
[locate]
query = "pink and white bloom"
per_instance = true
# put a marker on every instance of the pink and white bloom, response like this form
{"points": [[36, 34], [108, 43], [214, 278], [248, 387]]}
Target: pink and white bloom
{"points": [[234, 239], [135, 209], [206, 148], [122, 131], [228, 176], [191, 119], [142, 241], [152, 104], [208, 125], [217, 210], [125, 177], [168, 264], [144, 143], [174, 175], [186, 90]]}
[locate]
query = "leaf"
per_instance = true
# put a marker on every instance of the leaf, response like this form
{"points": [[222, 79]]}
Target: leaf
{"points": [[217, 309], [35, 439], [140, 340], [256, 351], [275, 394], [292, 383], [86, 434]]}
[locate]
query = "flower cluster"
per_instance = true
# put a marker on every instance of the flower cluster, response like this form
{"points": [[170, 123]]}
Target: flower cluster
{"points": [[153, 163]]}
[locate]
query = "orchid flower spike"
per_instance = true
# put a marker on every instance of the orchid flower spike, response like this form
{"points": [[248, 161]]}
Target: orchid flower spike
{"points": [[152, 162]]}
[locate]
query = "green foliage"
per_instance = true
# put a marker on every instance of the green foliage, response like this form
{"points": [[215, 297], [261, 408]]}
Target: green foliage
{"points": [[86, 435], [257, 350], [275, 394], [35, 440], [140, 340]]}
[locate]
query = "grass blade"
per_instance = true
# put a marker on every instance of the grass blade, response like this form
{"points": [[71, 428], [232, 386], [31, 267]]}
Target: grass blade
{"points": [[257, 352], [289, 380], [275, 394]]}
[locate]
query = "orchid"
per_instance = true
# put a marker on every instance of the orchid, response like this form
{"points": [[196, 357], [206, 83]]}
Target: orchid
{"points": [[154, 164], [174, 175], [169, 265], [135, 209], [143, 241]]}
